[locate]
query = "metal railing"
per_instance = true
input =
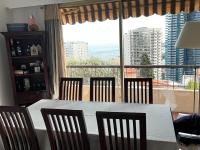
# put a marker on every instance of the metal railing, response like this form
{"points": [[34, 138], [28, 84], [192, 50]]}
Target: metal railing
{"points": [[160, 81], [87, 71]]}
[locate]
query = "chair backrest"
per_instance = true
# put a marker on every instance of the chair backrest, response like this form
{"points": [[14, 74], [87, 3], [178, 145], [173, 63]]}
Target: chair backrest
{"points": [[102, 89], [138, 90], [71, 89], [66, 129], [110, 124], [16, 129]]}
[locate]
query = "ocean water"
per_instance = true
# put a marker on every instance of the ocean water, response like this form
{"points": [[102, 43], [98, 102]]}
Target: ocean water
{"points": [[105, 52]]}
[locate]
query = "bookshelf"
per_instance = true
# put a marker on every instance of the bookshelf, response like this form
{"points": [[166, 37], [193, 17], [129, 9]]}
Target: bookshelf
{"points": [[28, 66]]}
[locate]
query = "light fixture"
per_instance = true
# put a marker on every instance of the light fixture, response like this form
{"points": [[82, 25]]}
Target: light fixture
{"points": [[190, 38]]}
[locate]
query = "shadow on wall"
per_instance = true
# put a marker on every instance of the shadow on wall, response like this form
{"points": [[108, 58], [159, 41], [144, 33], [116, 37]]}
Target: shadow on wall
{"points": [[6, 92]]}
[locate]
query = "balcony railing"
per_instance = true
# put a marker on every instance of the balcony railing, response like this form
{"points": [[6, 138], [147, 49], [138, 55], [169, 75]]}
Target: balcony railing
{"points": [[174, 85]]}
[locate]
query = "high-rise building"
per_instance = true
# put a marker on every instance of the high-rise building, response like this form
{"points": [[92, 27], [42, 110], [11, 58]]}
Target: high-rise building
{"points": [[174, 56], [127, 55], [140, 41], [76, 50]]}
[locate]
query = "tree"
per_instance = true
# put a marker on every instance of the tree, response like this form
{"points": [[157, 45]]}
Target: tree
{"points": [[146, 72], [86, 72], [191, 84]]}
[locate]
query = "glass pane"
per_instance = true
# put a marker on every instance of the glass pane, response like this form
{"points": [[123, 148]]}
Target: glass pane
{"points": [[151, 41], [92, 50]]}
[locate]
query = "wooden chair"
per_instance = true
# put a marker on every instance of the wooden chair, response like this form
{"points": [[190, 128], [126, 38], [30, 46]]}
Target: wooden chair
{"points": [[66, 129], [16, 129], [138, 90], [102, 89], [71, 89], [125, 124]]}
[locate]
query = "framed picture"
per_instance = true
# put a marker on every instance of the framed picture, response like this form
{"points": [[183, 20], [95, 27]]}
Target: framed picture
{"points": [[34, 51]]}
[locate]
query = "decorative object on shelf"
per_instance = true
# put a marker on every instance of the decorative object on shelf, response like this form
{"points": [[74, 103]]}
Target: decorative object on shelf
{"points": [[26, 84], [18, 72], [32, 65], [28, 50], [39, 48], [24, 68], [37, 69], [37, 66], [19, 85], [13, 53], [32, 24], [17, 27], [34, 50], [19, 49]]}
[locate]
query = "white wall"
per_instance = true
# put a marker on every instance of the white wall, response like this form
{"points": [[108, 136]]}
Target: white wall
{"points": [[3, 16], [6, 95], [21, 15]]}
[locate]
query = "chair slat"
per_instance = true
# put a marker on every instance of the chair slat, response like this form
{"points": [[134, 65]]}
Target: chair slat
{"points": [[103, 90], [76, 90], [62, 135], [8, 134], [115, 132], [15, 135], [71, 126], [57, 132], [77, 132], [142, 92], [135, 134], [145, 92], [122, 134], [95, 93], [71, 89], [106, 89], [65, 90], [109, 133], [130, 91], [138, 93], [17, 129], [66, 132], [124, 118], [72, 132], [140, 88], [128, 134], [133, 92]]}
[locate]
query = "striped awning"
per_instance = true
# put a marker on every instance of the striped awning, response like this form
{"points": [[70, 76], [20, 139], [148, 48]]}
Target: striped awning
{"points": [[131, 8]]}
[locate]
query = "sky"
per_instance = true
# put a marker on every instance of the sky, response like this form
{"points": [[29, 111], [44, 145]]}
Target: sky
{"points": [[107, 32]]}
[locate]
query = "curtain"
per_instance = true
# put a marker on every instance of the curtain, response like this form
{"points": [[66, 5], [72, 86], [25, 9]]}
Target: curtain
{"points": [[55, 47], [131, 8]]}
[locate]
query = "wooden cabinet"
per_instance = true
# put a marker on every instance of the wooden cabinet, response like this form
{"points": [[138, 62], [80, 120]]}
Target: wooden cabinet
{"points": [[28, 66]]}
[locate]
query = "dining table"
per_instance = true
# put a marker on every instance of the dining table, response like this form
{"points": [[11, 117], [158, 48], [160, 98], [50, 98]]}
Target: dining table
{"points": [[159, 122]]}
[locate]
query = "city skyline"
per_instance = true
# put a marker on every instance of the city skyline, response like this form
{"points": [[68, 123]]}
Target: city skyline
{"points": [[105, 45]]}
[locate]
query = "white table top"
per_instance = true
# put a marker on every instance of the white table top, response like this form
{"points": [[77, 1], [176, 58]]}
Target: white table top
{"points": [[159, 120]]}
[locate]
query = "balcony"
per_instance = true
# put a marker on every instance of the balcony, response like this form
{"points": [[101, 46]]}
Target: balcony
{"points": [[171, 85]]}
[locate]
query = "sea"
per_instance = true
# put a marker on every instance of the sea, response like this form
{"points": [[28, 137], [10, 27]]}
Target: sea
{"points": [[104, 51]]}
